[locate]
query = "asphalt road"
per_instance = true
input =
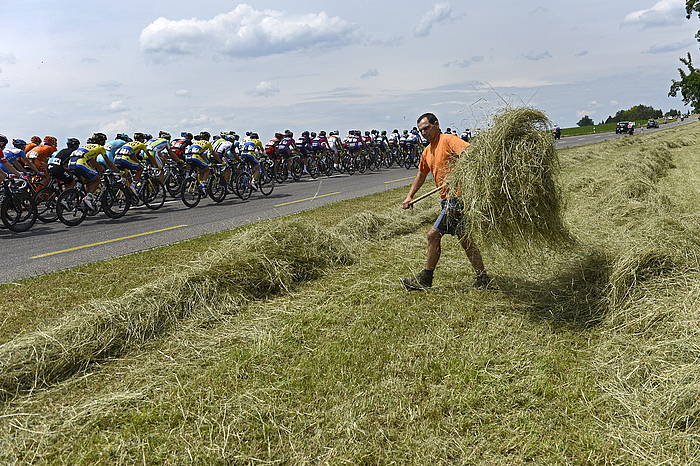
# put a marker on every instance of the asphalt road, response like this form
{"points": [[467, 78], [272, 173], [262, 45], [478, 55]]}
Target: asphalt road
{"points": [[51, 247]]}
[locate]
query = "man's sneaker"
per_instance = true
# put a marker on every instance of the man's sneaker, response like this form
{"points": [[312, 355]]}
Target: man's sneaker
{"points": [[420, 282], [482, 281]]}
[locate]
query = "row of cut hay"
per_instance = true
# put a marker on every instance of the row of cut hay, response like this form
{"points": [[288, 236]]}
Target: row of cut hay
{"points": [[262, 261], [507, 181], [641, 172], [647, 361]]}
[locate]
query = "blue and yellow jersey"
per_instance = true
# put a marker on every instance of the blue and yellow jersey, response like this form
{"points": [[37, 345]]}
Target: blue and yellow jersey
{"points": [[253, 145], [132, 150], [87, 152], [199, 148]]}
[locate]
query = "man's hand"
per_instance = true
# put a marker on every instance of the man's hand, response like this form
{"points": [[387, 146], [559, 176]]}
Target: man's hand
{"points": [[406, 204]]}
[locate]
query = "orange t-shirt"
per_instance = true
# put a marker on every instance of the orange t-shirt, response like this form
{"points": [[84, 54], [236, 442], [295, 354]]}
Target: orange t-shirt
{"points": [[437, 157], [29, 147], [40, 155]]}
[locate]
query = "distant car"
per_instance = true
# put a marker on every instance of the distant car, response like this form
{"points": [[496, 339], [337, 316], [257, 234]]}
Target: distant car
{"points": [[669, 118], [652, 124], [624, 127]]}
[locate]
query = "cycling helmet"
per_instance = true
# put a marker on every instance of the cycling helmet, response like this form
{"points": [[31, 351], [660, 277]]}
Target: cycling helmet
{"points": [[204, 135], [148, 136], [396, 131], [305, 133], [248, 134], [236, 137], [322, 134], [50, 141], [3, 139], [186, 135], [366, 133], [99, 138], [36, 140], [140, 137], [448, 131], [383, 132], [19, 143], [313, 134], [164, 135], [227, 136], [72, 143], [254, 136], [278, 135], [405, 132]]}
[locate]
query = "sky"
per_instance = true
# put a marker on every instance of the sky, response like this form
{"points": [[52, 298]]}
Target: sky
{"points": [[69, 67]]}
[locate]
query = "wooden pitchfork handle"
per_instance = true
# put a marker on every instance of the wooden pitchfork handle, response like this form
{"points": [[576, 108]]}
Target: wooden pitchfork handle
{"points": [[428, 194]]}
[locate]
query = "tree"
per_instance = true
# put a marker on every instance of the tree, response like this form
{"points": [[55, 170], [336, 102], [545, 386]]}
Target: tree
{"points": [[673, 113], [586, 121], [689, 85], [636, 113]]}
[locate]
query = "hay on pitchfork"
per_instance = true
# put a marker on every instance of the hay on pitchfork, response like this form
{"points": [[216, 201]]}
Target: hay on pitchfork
{"points": [[507, 181]]}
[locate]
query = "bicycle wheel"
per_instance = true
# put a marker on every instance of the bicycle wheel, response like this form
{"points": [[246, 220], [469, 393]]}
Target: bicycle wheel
{"points": [[297, 168], [266, 183], [360, 163], [153, 194], [281, 171], [312, 166], [189, 192], [69, 209], [18, 212], [348, 164], [243, 188], [173, 183], [115, 201], [216, 188], [45, 201]]}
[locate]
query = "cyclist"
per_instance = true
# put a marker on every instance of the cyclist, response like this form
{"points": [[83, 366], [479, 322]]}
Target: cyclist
{"points": [[34, 142], [465, 135], [286, 147], [6, 167], [40, 155], [180, 145], [83, 163], [58, 164], [17, 157], [111, 149], [252, 147], [448, 131], [130, 158], [225, 147], [160, 148], [198, 157], [304, 146]]}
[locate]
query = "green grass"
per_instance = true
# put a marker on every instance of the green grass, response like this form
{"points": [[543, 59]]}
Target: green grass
{"points": [[348, 367]]}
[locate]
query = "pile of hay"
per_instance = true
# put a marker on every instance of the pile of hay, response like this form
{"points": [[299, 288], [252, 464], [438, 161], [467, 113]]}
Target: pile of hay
{"points": [[260, 262], [507, 180]]}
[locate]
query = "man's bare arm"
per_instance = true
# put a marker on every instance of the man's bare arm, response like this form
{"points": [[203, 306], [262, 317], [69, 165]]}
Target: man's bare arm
{"points": [[415, 186]]}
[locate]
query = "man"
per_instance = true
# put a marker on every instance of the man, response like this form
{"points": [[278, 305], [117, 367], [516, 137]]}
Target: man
{"points": [[58, 164], [436, 160]]}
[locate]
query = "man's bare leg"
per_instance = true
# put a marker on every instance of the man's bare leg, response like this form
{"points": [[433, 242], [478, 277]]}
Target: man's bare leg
{"points": [[473, 254], [434, 249]]}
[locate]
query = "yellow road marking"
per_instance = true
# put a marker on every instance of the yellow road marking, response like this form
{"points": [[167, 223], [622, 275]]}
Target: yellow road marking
{"points": [[307, 199], [105, 242], [400, 179]]}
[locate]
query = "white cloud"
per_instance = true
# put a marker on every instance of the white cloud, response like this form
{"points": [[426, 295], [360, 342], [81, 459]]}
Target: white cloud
{"points": [[582, 53], [182, 93], [118, 106], [614, 102], [247, 32], [440, 13], [594, 103], [583, 113], [201, 121], [109, 84], [372, 73], [264, 89], [674, 47], [117, 126], [458, 64], [7, 58], [538, 56], [663, 13]]}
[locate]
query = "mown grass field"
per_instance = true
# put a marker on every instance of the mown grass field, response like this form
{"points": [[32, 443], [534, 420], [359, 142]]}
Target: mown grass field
{"points": [[588, 355]]}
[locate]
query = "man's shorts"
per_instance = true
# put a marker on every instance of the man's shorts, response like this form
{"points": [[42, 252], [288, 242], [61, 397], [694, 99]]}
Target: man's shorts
{"points": [[451, 218], [196, 162], [60, 173], [123, 163], [250, 159], [82, 171]]}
